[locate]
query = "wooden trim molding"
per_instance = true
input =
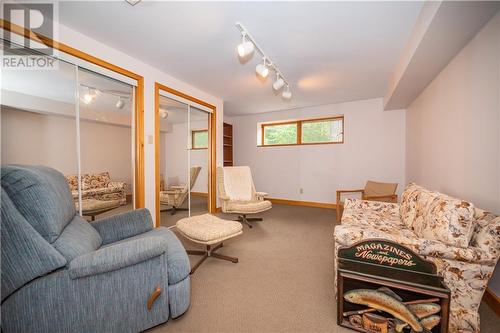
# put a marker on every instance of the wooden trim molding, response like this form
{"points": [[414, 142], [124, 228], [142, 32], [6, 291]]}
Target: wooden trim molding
{"points": [[303, 203], [212, 123], [199, 194], [139, 98], [492, 300]]}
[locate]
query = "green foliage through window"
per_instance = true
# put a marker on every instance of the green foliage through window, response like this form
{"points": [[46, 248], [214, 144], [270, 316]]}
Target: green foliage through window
{"points": [[311, 131], [329, 130], [200, 139], [280, 134]]}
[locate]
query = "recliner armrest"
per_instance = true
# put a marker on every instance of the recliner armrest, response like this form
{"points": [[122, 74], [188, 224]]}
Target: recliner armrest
{"points": [[117, 256], [121, 226]]}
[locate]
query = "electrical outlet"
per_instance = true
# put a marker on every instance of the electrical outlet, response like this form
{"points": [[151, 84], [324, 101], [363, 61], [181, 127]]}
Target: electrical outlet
{"points": [[301, 190]]}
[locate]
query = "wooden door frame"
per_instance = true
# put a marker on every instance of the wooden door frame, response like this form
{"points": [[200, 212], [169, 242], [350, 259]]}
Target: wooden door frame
{"points": [[212, 124], [139, 96]]}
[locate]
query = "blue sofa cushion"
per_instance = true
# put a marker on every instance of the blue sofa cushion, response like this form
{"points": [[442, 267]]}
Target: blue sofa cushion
{"points": [[42, 196], [78, 238], [178, 266], [25, 254]]}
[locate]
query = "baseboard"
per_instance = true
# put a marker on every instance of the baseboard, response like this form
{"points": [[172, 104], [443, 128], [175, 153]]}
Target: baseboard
{"points": [[492, 300], [199, 194], [303, 203]]}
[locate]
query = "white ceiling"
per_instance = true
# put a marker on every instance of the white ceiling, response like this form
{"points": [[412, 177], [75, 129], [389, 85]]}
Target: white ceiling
{"points": [[330, 51]]}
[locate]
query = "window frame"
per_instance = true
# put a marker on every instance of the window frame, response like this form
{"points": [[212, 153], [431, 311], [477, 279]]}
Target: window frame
{"points": [[193, 134], [299, 132], [263, 125]]}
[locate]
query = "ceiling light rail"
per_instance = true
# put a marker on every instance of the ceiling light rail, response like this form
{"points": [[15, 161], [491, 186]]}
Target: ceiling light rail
{"points": [[247, 46]]}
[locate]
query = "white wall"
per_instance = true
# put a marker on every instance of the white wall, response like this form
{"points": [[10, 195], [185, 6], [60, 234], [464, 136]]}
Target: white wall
{"points": [[453, 135], [175, 157], [33, 138], [374, 149], [150, 74]]}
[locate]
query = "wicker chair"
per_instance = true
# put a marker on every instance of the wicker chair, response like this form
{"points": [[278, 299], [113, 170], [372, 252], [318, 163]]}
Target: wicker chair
{"points": [[176, 195], [373, 191], [238, 195]]}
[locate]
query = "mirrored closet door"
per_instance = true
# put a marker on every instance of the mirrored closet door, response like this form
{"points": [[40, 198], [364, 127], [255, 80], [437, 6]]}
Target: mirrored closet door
{"points": [[77, 121], [183, 159]]}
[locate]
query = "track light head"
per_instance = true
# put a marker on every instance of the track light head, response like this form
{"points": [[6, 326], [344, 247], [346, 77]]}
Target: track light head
{"points": [[89, 96], [279, 83], [163, 114], [245, 48], [120, 103], [262, 69], [287, 94]]}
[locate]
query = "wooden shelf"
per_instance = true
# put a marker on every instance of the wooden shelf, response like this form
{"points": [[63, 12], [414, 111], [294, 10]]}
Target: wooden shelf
{"points": [[228, 144]]}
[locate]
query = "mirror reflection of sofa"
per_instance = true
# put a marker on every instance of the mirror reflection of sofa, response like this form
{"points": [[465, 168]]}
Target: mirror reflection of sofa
{"points": [[98, 191]]}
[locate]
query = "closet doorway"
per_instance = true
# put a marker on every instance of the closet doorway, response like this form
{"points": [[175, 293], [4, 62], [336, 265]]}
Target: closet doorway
{"points": [[83, 118], [185, 156]]}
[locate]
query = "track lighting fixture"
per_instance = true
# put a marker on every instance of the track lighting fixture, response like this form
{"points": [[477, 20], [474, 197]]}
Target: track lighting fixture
{"points": [[279, 83], [262, 69], [163, 113], [120, 103], [247, 46], [91, 93], [286, 94]]}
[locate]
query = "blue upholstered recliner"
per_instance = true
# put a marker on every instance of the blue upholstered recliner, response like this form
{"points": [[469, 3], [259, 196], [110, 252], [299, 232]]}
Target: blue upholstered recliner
{"points": [[61, 274]]}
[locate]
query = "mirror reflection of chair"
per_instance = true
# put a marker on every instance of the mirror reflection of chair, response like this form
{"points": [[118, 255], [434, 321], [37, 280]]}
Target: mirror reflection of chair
{"points": [[238, 195], [176, 195], [373, 191]]}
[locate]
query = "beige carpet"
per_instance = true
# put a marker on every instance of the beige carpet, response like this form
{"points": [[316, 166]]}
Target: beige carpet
{"points": [[283, 282]]}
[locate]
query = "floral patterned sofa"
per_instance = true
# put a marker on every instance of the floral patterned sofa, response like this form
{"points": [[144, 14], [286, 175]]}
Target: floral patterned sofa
{"points": [[98, 187], [463, 241]]}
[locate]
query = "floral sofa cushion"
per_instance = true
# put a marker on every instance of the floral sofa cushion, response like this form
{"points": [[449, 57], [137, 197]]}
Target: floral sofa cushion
{"points": [[96, 180], [441, 217]]}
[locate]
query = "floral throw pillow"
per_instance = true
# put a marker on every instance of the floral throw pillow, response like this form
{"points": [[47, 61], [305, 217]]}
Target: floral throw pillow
{"points": [[408, 206], [445, 219]]}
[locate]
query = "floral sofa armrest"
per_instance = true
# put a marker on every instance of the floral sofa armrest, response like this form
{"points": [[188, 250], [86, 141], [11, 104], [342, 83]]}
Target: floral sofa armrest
{"points": [[117, 186], [379, 206]]}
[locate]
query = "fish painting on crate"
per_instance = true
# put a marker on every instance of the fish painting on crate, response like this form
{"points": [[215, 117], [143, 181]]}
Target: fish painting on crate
{"points": [[392, 290], [418, 316]]}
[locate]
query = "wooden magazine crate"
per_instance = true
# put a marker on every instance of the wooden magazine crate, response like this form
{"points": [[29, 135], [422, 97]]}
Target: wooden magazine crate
{"points": [[386, 273]]}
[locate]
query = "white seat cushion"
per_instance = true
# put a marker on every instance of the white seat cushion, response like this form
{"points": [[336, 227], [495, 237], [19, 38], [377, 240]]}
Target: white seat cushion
{"points": [[248, 207], [208, 229]]}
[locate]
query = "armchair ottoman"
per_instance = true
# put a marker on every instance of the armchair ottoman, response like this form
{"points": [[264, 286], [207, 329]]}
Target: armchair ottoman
{"points": [[63, 274]]}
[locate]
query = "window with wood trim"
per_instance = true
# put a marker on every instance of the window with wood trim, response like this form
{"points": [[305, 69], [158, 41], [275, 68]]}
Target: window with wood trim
{"points": [[303, 132], [199, 139]]}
